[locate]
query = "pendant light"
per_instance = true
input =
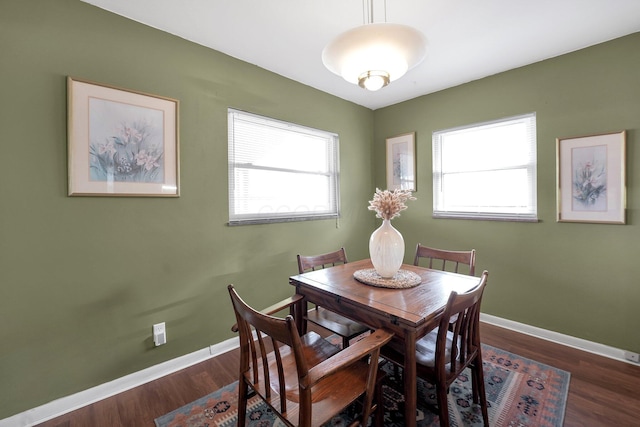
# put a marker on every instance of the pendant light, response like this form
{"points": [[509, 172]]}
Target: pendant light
{"points": [[375, 54]]}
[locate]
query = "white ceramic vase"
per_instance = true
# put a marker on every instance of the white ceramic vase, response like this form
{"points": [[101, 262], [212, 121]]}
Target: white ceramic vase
{"points": [[386, 249]]}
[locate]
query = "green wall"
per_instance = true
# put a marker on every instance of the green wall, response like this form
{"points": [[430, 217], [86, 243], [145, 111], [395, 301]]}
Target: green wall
{"points": [[574, 278], [84, 278]]}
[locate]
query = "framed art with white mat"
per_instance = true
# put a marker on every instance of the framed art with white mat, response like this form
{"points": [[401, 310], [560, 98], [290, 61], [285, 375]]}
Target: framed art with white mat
{"points": [[401, 162], [591, 177], [121, 142]]}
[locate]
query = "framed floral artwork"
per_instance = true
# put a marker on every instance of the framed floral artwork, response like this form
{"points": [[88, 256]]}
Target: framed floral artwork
{"points": [[121, 142], [591, 178], [401, 162]]}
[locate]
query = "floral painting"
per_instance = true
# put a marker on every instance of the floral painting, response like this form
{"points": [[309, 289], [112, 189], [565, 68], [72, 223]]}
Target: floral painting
{"points": [[121, 142], [126, 142], [591, 175], [590, 178], [401, 161]]}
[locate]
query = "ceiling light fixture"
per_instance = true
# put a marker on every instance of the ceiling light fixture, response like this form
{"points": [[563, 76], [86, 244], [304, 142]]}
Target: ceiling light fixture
{"points": [[373, 55]]}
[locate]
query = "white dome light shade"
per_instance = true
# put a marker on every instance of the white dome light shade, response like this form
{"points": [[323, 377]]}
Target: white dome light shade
{"points": [[381, 52]]}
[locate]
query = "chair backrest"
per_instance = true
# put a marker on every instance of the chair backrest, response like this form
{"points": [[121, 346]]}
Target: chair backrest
{"points": [[458, 340], [438, 259], [254, 357], [316, 262]]}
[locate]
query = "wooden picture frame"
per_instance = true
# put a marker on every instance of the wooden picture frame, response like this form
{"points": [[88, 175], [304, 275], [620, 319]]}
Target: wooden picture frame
{"points": [[401, 162], [121, 142], [591, 178]]}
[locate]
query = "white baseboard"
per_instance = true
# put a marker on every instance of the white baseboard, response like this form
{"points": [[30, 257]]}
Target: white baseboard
{"points": [[569, 341], [67, 404], [75, 401]]}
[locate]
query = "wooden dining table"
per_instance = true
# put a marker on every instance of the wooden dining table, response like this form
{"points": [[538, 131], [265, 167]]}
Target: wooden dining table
{"points": [[409, 313]]}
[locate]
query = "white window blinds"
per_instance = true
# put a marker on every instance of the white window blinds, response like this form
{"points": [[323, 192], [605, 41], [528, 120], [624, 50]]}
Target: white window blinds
{"points": [[280, 171]]}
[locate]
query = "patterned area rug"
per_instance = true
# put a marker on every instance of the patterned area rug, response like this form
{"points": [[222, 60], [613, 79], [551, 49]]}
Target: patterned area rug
{"points": [[521, 392]]}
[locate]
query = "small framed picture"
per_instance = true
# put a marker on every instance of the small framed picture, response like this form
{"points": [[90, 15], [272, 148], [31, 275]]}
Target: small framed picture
{"points": [[401, 162], [591, 178], [121, 142]]}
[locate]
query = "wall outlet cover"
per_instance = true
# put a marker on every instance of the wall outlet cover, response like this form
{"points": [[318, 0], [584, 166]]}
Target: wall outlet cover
{"points": [[159, 334]]}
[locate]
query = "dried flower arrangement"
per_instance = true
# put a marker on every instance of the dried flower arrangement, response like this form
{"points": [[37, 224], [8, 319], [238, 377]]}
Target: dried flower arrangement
{"points": [[388, 204]]}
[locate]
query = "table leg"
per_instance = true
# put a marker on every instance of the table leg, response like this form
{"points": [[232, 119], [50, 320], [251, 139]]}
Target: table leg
{"points": [[410, 380], [302, 316], [296, 312]]}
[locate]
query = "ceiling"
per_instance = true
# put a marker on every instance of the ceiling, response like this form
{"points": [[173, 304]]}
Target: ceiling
{"points": [[467, 39]]}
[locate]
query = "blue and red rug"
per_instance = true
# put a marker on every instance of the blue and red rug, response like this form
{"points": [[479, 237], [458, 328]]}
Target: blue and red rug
{"points": [[520, 392]]}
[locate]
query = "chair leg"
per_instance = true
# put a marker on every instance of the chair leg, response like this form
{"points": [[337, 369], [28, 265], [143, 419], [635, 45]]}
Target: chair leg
{"points": [[443, 406], [242, 402], [379, 399], [396, 372], [479, 390], [474, 384]]}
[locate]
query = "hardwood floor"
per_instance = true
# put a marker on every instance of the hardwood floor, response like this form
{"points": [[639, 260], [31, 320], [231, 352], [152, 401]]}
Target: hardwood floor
{"points": [[602, 392]]}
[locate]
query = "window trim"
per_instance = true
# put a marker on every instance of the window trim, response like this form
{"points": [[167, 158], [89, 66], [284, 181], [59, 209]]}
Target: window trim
{"points": [[531, 216]]}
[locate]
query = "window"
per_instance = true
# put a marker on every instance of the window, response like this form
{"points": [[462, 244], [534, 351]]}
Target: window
{"points": [[486, 170], [280, 171]]}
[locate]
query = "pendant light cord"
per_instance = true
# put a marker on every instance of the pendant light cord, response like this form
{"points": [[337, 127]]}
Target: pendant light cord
{"points": [[367, 11]]}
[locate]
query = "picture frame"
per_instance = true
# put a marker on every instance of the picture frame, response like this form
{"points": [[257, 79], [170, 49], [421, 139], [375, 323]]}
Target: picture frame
{"points": [[121, 142], [401, 162], [591, 178]]}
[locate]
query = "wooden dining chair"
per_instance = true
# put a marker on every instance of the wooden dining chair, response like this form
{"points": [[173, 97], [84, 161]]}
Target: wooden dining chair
{"points": [[338, 324], [438, 259], [305, 380], [444, 353]]}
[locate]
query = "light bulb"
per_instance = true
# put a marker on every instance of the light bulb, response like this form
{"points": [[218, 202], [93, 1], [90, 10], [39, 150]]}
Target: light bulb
{"points": [[373, 80]]}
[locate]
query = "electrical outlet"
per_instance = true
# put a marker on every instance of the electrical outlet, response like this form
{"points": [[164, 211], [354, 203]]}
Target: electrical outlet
{"points": [[159, 334], [634, 357]]}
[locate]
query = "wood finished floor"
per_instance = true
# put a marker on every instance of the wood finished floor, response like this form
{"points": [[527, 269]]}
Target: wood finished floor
{"points": [[602, 392]]}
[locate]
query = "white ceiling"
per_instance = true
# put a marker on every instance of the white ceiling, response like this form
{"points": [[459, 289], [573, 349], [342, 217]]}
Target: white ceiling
{"points": [[467, 39]]}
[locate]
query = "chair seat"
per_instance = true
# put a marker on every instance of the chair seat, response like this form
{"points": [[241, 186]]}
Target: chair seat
{"points": [[328, 396], [425, 349], [336, 323]]}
